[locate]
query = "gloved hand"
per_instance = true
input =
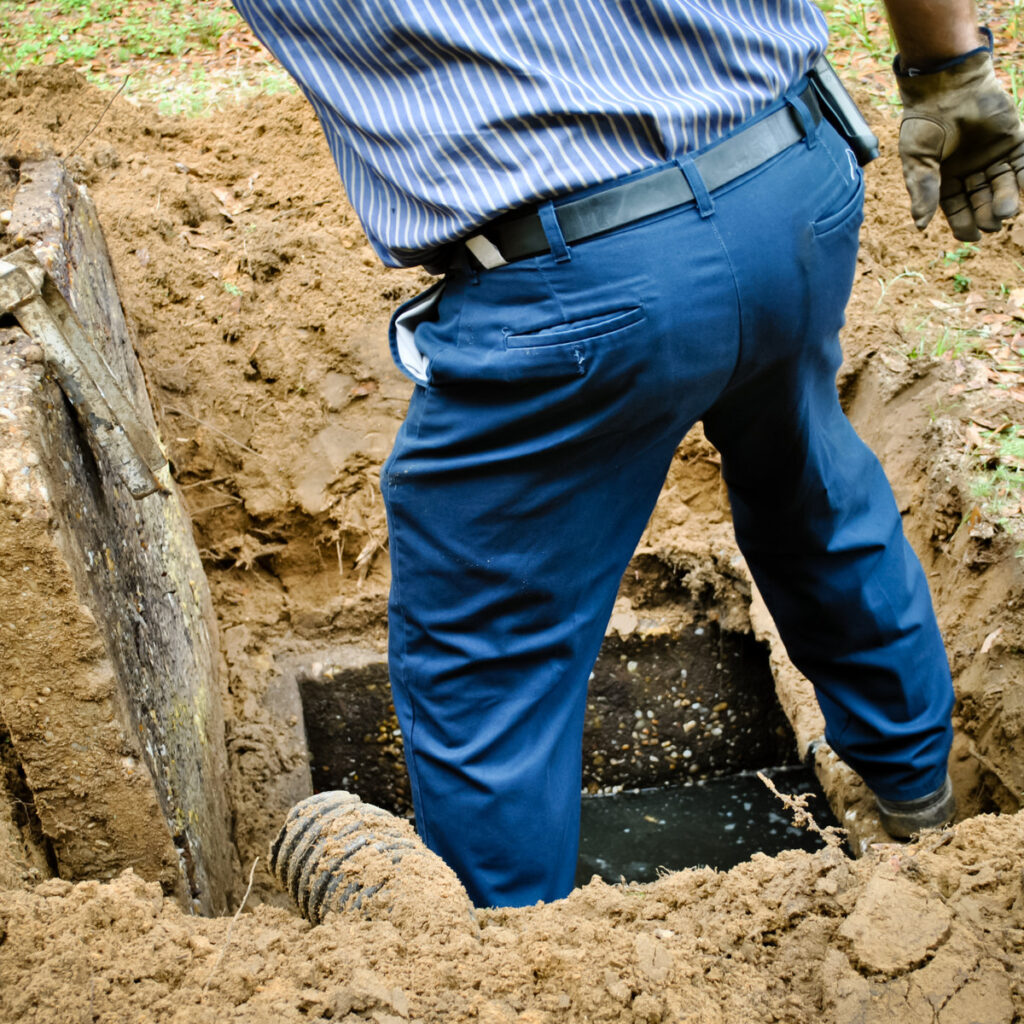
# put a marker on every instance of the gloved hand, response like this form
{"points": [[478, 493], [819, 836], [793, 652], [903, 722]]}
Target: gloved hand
{"points": [[962, 146]]}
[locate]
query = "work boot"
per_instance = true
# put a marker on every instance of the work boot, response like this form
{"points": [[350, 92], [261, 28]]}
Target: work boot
{"points": [[903, 818]]}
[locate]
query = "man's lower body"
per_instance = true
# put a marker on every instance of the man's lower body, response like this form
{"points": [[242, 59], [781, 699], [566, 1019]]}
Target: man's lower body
{"points": [[558, 389]]}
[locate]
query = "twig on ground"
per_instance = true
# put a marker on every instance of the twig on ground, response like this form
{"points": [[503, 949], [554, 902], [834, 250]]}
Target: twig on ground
{"points": [[202, 483], [210, 426], [831, 835], [211, 508], [100, 118], [231, 928]]}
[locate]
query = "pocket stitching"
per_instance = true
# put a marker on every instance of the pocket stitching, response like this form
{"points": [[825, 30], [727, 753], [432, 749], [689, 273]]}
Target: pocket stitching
{"points": [[602, 325]]}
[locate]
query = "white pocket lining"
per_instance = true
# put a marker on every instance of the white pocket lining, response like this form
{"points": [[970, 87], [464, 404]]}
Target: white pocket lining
{"points": [[412, 358]]}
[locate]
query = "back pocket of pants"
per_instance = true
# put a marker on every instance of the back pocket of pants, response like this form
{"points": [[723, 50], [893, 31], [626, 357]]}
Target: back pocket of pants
{"points": [[549, 354], [576, 331]]}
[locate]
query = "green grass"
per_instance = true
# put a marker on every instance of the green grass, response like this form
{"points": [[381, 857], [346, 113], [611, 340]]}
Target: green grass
{"points": [[201, 92], [943, 341], [997, 484], [78, 31], [954, 342], [960, 254], [859, 26], [957, 257], [171, 48], [1017, 87]]}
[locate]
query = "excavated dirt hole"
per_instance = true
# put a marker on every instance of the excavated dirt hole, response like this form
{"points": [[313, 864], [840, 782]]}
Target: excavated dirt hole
{"points": [[696, 703], [680, 716], [662, 709], [12, 777], [718, 823]]}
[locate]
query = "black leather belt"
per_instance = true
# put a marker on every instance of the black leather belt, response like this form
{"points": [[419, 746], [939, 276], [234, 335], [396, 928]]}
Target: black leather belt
{"points": [[520, 237]]}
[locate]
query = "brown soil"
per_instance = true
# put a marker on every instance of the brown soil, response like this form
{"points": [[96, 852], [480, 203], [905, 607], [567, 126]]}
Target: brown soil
{"points": [[924, 933], [260, 317]]}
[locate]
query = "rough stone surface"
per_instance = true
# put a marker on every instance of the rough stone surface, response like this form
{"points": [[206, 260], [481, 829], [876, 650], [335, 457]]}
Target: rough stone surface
{"points": [[113, 707]]}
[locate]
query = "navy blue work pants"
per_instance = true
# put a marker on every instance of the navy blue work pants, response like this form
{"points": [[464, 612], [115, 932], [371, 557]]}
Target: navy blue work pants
{"points": [[552, 394]]}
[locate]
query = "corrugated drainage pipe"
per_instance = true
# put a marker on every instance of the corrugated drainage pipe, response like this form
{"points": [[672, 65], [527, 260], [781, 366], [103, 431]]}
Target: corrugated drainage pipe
{"points": [[336, 854]]}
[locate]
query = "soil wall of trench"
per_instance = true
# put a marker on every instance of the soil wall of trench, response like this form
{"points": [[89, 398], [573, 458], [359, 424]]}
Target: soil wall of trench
{"points": [[259, 315]]}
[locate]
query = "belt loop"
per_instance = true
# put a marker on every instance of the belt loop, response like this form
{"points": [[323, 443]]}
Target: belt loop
{"points": [[462, 262], [705, 203], [794, 98], [553, 231]]}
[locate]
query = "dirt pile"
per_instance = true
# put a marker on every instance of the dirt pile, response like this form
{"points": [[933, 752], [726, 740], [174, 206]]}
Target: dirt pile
{"points": [[933, 932], [260, 313]]}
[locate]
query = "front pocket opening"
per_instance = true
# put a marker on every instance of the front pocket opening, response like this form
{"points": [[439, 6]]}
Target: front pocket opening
{"points": [[412, 358], [823, 225]]}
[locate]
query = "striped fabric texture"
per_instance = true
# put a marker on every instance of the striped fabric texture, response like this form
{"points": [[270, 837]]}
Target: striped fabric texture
{"points": [[444, 114]]}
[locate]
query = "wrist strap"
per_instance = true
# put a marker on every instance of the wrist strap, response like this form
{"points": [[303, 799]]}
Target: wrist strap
{"points": [[931, 69]]}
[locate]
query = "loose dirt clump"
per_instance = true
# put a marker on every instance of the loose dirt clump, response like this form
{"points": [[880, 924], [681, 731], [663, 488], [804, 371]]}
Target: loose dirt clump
{"points": [[260, 317]]}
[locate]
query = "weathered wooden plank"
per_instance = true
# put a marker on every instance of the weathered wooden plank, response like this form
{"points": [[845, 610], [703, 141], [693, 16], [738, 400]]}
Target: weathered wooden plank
{"points": [[108, 417], [112, 700]]}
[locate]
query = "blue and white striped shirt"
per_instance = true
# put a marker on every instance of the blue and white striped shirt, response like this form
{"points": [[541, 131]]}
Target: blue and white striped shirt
{"points": [[443, 114]]}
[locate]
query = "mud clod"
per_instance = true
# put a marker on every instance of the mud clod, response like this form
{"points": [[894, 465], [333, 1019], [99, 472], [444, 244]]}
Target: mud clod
{"points": [[894, 926]]}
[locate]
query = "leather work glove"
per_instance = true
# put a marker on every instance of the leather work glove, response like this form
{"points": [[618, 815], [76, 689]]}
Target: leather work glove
{"points": [[961, 145]]}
